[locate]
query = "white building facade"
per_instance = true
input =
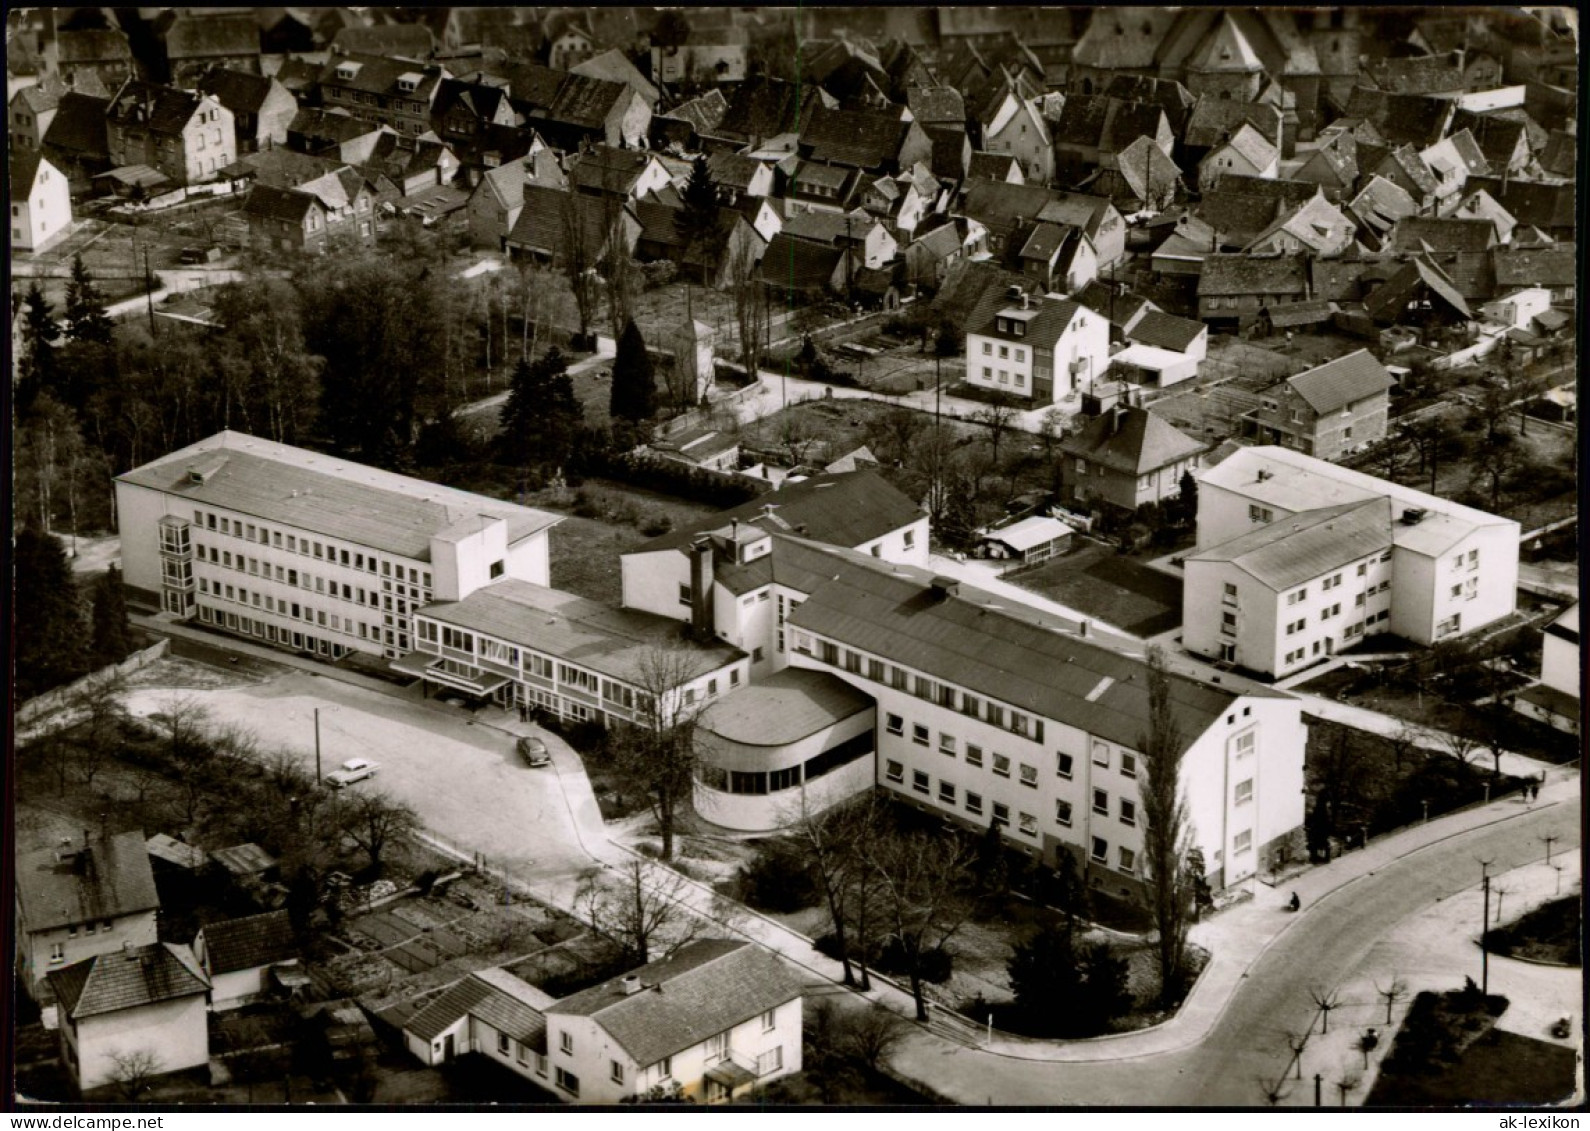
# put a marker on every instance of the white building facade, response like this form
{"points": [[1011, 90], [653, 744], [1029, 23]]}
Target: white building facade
{"points": [[41, 202], [1038, 349]]}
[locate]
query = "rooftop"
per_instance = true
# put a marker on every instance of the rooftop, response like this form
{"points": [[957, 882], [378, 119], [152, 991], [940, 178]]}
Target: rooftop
{"points": [[785, 707], [1300, 548], [88, 881], [127, 979], [1131, 440], [326, 494], [1342, 382], [254, 940]]}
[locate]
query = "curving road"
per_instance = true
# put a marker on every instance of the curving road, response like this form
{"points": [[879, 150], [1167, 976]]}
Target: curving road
{"points": [[1326, 946]]}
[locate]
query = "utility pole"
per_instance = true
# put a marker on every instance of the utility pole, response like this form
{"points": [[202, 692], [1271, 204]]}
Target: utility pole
{"points": [[1485, 925], [317, 745], [1319, 1081], [1550, 840], [149, 293]]}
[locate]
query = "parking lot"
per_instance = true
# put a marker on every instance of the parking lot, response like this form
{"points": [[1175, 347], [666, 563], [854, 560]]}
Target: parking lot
{"points": [[458, 772]]}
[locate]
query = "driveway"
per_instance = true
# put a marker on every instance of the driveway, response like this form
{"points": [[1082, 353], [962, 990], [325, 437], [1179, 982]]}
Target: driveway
{"points": [[461, 776]]}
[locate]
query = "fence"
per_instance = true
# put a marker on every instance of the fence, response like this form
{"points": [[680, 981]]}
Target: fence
{"points": [[52, 701]]}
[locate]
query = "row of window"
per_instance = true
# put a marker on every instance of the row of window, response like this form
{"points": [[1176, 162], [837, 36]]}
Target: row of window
{"points": [[1065, 763], [1005, 377], [1004, 352], [1329, 583], [407, 597], [297, 544], [284, 608], [287, 637]]}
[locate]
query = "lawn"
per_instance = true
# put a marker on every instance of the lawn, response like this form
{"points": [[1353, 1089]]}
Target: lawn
{"points": [[1093, 579], [1549, 933]]}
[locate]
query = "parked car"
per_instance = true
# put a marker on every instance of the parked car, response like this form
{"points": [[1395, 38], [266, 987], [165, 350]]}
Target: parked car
{"points": [[353, 770], [533, 751]]}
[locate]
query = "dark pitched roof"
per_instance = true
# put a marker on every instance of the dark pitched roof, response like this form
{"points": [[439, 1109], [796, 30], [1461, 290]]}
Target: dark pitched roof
{"points": [[846, 509], [105, 879], [543, 223], [799, 264], [1419, 74], [1337, 280], [1245, 275], [24, 166], [1416, 119], [705, 112], [377, 74], [476, 996], [1387, 301], [1406, 159], [1002, 649], [127, 979], [1427, 233], [585, 101], [238, 91], [1213, 118], [933, 105], [412, 41], [764, 107], [162, 109], [271, 203], [732, 170], [1243, 206], [243, 944], [608, 168], [702, 989], [1341, 382], [1134, 442], [1535, 267], [93, 46], [1042, 331], [481, 99], [1309, 543], [991, 166], [867, 139], [1497, 137], [213, 35], [79, 125], [1156, 328], [1549, 207], [1560, 157]]}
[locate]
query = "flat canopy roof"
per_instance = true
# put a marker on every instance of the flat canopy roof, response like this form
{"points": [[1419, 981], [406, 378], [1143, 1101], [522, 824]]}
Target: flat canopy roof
{"points": [[1030, 532], [784, 708]]}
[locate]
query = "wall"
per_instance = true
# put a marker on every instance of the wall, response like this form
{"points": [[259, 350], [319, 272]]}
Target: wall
{"points": [[42, 705], [236, 988], [519, 1059], [462, 563], [651, 582], [764, 812], [175, 1031], [1559, 665], [34, 953]]}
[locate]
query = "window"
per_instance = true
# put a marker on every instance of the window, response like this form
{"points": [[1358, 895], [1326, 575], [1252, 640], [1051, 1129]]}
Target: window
{"points": [[910, 539], [1260, 514], [1243, 842], [974, 802], [1101, 802], [1100, 850], [1064, 764], [947, 792], [615, 1071], [895, 724], [1127, 859], [1027, 823], [1244, 791], [1448, 626], [1001, 765], [770, 1061], [974, 755], [1229, 594], [568, 1081], [919, 734], [1128, 812], [1001, 815], [988, 349], [58, 952], [919, 781], [894, 771], [1128, 765], [684, 594], [503, 1043], [1245, 742], [1228, 623], [1101, 754], [1029, 776], [566, 1043], [947, 744], [665, 1067]]}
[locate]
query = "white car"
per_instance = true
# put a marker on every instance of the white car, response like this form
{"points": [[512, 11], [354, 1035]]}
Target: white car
{"points": [[354, 769]]}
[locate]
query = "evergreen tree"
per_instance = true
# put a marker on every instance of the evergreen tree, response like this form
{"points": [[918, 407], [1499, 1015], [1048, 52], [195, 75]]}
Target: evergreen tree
{"points": [[698, 222], [41, 333], [1104, 994], [1043, 974], [1187, 497], [86, 320], [542, 416], [112, 640], [51, 647], [634, 395], [520, 414]]}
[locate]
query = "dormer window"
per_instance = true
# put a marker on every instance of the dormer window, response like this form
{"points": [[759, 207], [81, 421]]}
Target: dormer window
{"points": [[347, 70], [1004, 325]]}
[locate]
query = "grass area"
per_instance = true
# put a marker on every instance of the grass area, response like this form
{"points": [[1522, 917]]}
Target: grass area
{"points": [[1094, 579], [1449, 1053], [858, 1087], [1548, 933]]}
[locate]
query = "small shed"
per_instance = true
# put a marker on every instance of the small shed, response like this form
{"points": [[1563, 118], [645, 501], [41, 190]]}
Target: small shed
{"points": [[168, 851], [1030, 540], [244, 861]]}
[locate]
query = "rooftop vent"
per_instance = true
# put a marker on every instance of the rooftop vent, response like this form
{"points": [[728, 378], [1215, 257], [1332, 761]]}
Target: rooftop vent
{"points": [[1413, 516], [945, 586], [631, 984], [1263, 475]]}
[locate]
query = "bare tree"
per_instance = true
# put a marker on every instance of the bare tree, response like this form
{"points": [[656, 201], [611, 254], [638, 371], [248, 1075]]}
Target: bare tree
{"points": [[1297, 1042], [1460, 745], [751, 315], [861, 1031], [998, 416], [1274, 1091], [924, 881], [579, 260], [1397, 991], [657, 755], [1495, 461], [133, 1071], [1324, 1000], [639, 907], [184, 722], [374, 820], [1346, 1083], [833, 844], [1166, 838]]}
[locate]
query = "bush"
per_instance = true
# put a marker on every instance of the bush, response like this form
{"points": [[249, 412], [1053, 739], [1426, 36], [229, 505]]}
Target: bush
{"points": [[937, 965], [777, 879], [658, 274], [654, 523], [667, 477]]}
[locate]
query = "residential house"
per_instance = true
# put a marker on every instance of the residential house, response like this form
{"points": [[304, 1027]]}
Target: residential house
{"points": [[1056, 257], [796, 269], [1142, 180], [333, 132], [701, 447], [709, 54], [77, 141], [868, 242], [238, 955], [136, 999], [736, 175], [1555, 699], [1232, 288], [1517, 310], [187, 137], [79, 899], [713, 1019], [1246, 206], [412, 41], [930, 255], [1481, 205], [816, 187], [1418, 120], [102, 56], [873, 140], [30, 112], [1328, 411], [614, 66], [1298, 559], [1093, 130], [763, 108], [1246, 153], [1125, 310], [1405, 168], [1161, 348], [1003, 208], [195, 43], [1333, 165], [1547, 206], [1452, 161], [1317, 227], [1378, 210], [569, 44], [276, 543], [416, 166], [390, 92], [1180, 241], [261, 108], [985, 166], [474, 112], [498, 198], [1422, 74], [1215, 120], [546, 229], [490, 1012], [593, 111], [1418, 293], [339, 206], [1503, 140], [1039, 349], [733, 245], [41, 201], [618, 174], [1017, 129], [1125, 458]]}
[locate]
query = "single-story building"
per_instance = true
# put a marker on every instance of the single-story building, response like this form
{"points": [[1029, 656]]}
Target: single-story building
{"points": [[1034, 539], [238, 955]]}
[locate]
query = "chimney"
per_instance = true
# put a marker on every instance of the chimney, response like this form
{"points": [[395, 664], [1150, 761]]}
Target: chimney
{"points": [[631, 984], [1082, 628], [701, 626], [1263, 475], [1026, 301], [945, 587]]}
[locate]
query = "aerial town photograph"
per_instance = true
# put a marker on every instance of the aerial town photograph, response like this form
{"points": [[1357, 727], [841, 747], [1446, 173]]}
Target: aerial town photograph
{"points": [[794, 557]]}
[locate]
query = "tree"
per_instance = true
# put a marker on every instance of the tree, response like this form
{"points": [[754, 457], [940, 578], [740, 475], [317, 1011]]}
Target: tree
{"points": [[657, 756], [671, 30], [373, 820], [1434, 439], [751, 314], [86, 319], [112, 637], [999, 416], [1166, 836], [833, 844], [541, 416], [271, 379], [41, 336], [1104, 993], [1495, 461], [924, 881], [1324, 1000], [1187, 497], [698, 221], [47, 619], [99, 702], [184, 722], [634, 393], [578, 259], [133, 1071], [1044, 978], [639, 908]]}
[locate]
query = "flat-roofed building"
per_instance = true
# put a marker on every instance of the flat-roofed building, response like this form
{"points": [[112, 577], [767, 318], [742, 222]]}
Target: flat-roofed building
{"points": [[308, 551], [1298, 559]]}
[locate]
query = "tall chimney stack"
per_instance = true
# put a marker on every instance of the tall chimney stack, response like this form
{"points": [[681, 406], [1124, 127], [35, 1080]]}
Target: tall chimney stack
{"points": [[701, 577]]}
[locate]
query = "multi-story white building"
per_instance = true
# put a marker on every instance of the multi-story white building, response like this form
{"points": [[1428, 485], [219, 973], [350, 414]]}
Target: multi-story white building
{"points": [[1298, 559], [41, 202], [1035, 348], [715, 1018], [188, 137], [312, 552]]}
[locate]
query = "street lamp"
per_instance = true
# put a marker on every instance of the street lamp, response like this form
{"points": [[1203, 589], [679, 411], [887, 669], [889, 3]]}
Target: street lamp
{"points": [[317, 743]]}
